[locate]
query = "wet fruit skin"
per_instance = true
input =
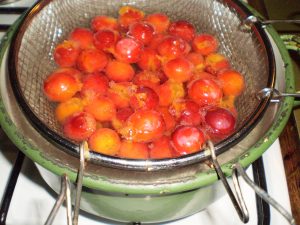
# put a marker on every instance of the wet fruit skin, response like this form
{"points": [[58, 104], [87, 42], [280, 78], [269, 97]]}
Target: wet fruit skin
{"points": [[187, 112], [121, 116], [220, 121], [143, 126], [146, 78], [92, 60], [94, 85], [187, 140], [182, 29], [215, 63], [61, 85], [133, 150], [161, 148], [178, 69], [105, 141], [119, 71], [83, 36], [169, 119], [66, 53], [102, 108], [104, 22], [65, 109], [232, 82], [105, 40], [141, 31], [149, 60], [159, 21], [205, 92], [129, 15], [80, 126], [172, 47], [144, 98], [198, 61], [128, 50], [120, 93], [205, 44], [170, 91]]}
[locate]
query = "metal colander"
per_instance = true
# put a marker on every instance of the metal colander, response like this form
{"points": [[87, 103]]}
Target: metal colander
{"points": [[49, 23]]}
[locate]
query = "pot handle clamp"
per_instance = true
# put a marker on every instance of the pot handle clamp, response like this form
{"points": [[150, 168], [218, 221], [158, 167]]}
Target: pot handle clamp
{"points": [[238, 200], [65, 192], [291, 42]]}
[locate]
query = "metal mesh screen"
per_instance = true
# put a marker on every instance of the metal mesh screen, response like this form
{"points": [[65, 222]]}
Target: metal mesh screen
{"points": [[55, 21]]}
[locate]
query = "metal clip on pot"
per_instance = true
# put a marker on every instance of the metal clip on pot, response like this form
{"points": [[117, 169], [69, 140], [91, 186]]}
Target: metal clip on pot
{"points": [[238, 200], [253, 19], [275, 94], [65, 193]]}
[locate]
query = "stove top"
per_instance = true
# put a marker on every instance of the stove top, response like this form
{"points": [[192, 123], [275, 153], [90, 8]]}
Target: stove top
{"points": [[33, 200]]}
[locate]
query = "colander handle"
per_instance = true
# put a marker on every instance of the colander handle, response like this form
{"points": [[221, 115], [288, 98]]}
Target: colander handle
{"points": [[275, 94], [238, 200], [253, 19], [65, 193]]}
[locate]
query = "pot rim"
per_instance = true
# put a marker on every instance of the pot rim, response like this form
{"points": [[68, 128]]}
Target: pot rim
{"points": [[200, 180]]}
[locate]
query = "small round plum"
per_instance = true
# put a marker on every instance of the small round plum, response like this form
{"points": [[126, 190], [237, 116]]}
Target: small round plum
{"points": [[62, 84], [82, 36], [105, 141], [141, 31], [104, 22], [66, 53], [220, 121], [129, 15], [133, 150], [80, 126], [92, 60], [94, 85], [187, 140], [119, 71], [65, 109], [144, 98], [143, 126], [178, 69], [161, 148], [205, 44], [215, 63], [182, 29], [128, 50], [205, 92], [159, 21], [105, 40], [232, 82], [102, 108]]}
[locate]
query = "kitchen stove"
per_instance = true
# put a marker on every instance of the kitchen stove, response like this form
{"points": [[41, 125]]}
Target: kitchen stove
{"points": [[33, 200]]}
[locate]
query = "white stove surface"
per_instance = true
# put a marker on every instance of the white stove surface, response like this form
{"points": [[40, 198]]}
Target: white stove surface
{"points": [[33, 199]]}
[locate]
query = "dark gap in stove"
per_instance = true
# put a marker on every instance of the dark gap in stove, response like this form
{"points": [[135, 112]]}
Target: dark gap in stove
{"points": [[4, 27], [10, 187], [259, 177], [15, 10]]}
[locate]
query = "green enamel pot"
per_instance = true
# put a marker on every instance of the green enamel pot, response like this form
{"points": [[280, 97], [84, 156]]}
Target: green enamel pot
{"points": [[144, 195]]}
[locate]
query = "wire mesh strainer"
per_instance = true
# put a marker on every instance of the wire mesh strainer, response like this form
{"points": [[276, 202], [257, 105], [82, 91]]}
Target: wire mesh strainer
{"points": [[49, 23]]}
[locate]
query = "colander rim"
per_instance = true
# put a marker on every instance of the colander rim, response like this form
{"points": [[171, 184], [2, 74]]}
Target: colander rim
{"points": [[138, 164]]}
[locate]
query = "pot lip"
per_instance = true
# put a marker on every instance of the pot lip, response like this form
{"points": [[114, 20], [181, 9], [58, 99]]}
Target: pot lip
{"points": [[200, 180]]}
